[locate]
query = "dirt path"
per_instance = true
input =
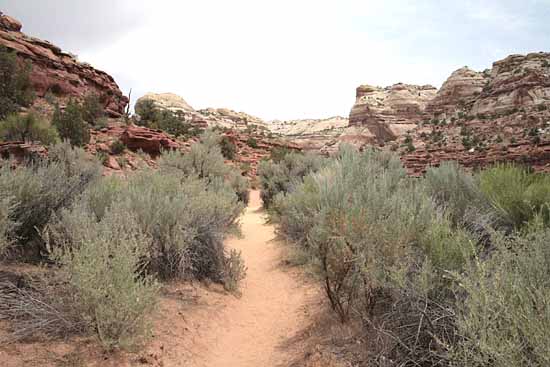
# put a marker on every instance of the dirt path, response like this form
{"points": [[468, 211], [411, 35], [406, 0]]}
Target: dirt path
{"points": [[203, 326], [252, 329]]}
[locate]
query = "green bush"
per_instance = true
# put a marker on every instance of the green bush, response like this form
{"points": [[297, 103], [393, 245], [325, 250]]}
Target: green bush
{"points": [[92, 109], [42, 188], [282, 176], [117, 147], [228, 147], [103, 264], [505, 318], [27, 128], [71, 125], [516, 195], [252, 142], [15, 86]]}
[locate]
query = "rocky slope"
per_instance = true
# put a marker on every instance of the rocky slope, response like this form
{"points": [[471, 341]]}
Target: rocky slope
{"points": [[59, 72], [476, 118]]}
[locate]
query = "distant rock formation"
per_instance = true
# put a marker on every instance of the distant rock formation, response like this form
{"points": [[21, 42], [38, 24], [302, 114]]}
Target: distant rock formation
{"points": [[475, 118], [166, 101], [209, 117], [515, 82], [390, 112], [59, 72], [458, 93]]}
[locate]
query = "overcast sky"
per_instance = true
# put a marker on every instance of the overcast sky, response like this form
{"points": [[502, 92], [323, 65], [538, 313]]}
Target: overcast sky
{"points": [[284, 59]]}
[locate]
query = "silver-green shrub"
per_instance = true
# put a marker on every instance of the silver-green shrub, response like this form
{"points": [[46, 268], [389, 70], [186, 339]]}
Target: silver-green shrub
{"points": [[104, 263], [505, 317], [41, 188], [205, 161], [187, 219], [284, 175], [7, 225], [382, 248]]}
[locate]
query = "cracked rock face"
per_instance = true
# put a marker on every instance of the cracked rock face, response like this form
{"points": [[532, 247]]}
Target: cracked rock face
{"points": [[59, 72]]}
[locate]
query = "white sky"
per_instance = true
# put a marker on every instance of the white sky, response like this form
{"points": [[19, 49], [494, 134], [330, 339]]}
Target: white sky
{"points": [[284, 59]]}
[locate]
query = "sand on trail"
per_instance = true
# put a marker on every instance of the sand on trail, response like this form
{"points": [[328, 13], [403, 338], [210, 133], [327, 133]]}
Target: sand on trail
{"points": [[200, 325], [253, 330]]}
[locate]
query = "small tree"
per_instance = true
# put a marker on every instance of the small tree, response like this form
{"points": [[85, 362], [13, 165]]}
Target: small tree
{"points": [[71, 125], [15, 85], [92, 109], [228, 147]]}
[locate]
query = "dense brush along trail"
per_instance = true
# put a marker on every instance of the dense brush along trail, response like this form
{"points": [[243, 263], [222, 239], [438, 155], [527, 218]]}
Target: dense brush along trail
{"points": [[254, 329]]}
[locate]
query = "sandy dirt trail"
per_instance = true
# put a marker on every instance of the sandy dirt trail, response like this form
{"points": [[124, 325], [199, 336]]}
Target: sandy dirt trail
{"points": [[252, 330]]}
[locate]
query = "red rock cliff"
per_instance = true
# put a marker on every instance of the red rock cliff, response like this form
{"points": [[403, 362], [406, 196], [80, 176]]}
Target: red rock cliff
{"points": [[60, 72]]}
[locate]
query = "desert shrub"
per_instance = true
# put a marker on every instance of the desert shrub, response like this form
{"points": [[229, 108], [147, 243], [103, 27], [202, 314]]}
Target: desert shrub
{"points": [[252, 142], [187, 219], [27, 128], [456, 192], [71, 125], [282, 176], [45, 187], [228, 147], [37, 304], [206, 162], [92, 109], [278, 153], [15, 86], [103, 264], [504, 319], [516, 195], [7, 225], [117, 147], [383, 250]]}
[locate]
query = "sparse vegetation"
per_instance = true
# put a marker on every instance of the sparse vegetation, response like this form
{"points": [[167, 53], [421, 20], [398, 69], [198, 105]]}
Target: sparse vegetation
{"points": [[28, 128]]}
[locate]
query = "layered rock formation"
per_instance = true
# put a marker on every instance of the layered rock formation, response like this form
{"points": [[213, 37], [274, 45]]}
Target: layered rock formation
{"points": [[517, 81], [208, 117], [59, 72], [476, 118], [389, 112], [310, 134], [166, 101], [458, 93]]}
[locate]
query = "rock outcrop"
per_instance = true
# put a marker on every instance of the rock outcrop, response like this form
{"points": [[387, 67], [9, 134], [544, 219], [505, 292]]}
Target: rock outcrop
{"points": [[458, 93], [515, 82], [208, 117], [390, 112], [166, 101], [475, 118], [310, 134], [147, 140], [59, 72], [18, 151]]}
